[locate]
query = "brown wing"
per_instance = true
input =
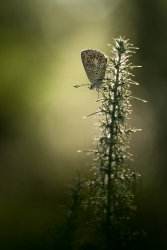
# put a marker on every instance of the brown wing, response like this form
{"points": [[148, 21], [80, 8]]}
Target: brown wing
{"points": [[95, 63]]}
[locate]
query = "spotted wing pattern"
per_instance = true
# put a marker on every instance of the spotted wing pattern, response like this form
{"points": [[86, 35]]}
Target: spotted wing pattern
{"points": [[95, 63]]}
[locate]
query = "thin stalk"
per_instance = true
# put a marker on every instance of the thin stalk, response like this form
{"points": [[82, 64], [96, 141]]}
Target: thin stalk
{"points": [[112, 126]]}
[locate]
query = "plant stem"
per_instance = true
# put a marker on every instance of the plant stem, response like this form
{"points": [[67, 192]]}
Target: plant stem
{"points": [[112, 149]]}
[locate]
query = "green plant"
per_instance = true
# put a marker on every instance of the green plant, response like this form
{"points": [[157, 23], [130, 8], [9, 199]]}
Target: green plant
{"points": [[63, 236], [111, 186]]}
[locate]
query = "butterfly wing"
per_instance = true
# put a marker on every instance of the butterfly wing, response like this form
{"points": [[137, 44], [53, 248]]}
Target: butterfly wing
{"points": [[95, 63]]}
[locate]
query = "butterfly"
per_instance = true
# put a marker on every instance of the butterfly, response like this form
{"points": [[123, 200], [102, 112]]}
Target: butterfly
{"points": [[95, 63]]}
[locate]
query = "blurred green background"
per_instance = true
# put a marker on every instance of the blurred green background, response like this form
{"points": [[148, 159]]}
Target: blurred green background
{"points": [[41, 126]]}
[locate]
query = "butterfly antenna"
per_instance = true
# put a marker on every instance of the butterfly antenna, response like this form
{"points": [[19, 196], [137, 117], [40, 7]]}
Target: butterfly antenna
{"points": [[80, 85]]}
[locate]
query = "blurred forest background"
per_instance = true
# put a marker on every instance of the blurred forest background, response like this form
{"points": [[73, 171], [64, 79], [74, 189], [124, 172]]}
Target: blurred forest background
{"points": [[41, 126]]}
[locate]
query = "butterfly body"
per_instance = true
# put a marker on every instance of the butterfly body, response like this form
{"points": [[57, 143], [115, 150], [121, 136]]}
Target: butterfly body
{"points": [[94, 62]]}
